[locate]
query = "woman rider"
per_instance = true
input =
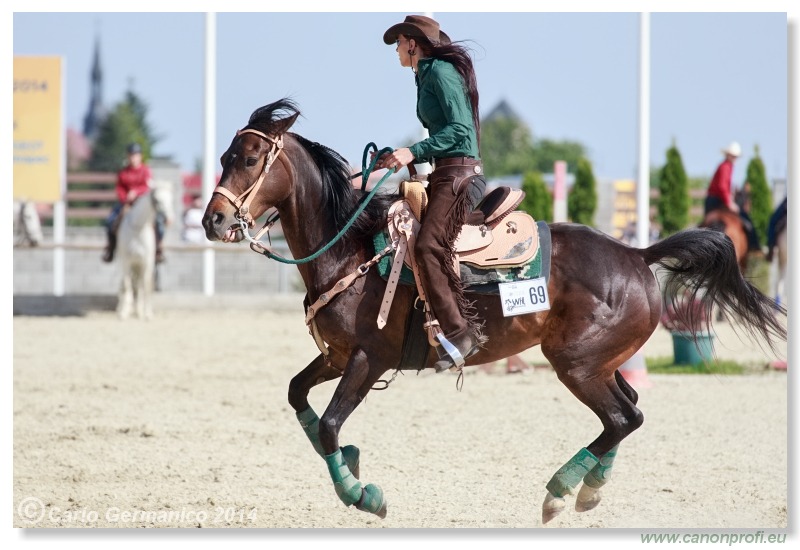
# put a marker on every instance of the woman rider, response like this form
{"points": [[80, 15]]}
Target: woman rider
{"points": [[447, 105]]}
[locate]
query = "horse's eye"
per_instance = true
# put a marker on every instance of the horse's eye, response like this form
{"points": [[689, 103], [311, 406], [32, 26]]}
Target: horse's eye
{"points": [[251, 161]]}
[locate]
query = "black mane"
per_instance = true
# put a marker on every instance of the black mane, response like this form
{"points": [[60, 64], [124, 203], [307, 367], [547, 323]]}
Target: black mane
{"points": [[339, 197]]}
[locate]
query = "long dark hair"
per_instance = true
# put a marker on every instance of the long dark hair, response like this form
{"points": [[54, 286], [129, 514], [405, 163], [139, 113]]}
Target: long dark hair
{"points": [[458, 55]]}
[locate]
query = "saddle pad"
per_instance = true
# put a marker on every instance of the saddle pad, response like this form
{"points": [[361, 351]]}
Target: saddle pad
{"points": [[476, 280]]}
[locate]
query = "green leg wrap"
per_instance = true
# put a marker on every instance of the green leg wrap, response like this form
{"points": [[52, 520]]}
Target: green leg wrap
{"points": [[373, 500], [310, 422], [571, 473], [598, 476], [351, 454], [348, 488]]}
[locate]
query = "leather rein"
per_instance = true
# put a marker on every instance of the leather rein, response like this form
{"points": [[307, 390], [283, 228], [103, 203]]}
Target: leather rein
{"points": [[242, 203]]}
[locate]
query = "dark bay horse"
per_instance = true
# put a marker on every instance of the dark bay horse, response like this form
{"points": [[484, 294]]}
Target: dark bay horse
{"points": [[605, 301], [728, 222]]}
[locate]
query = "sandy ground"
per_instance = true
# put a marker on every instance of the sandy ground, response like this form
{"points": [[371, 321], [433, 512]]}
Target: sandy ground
{"points": [[183, 421]]}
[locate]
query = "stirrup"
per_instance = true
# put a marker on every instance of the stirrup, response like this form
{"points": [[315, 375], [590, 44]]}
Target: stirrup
{"points": [[452, 351]]}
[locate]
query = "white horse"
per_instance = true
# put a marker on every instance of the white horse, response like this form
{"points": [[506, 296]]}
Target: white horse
{"points": [[136, 250], [27, 226]]}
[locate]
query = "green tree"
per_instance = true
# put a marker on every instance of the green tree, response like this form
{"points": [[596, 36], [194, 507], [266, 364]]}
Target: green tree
{"points": [[506, 147], [673, 203], [125, 123], [546, 152], [582, 199], [538, 201], [760, 196]]}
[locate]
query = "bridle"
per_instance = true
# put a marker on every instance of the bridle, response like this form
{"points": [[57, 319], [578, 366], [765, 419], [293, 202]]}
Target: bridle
{"points": [[242, 202]]}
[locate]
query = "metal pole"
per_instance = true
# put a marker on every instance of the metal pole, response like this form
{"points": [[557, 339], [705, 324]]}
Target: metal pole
{"points": [[424, 168], [560, 191], [643, 183], [59, 232], [209, 179], [60, 207]]}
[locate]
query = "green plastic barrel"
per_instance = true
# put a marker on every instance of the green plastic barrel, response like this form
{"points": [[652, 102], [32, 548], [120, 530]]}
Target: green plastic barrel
{"points": [[687, 353]]}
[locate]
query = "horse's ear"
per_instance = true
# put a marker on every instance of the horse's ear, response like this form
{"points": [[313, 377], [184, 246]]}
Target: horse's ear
{"points": [[281, 126]]}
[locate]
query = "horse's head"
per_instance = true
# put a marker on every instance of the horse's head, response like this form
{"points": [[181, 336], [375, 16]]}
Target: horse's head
{"points": [[249, 185], [163, 199]]}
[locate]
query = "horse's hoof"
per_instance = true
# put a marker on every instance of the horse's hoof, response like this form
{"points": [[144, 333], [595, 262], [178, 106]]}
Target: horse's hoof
{"points": [[351, 458], [588, 498], [372, 501], [551, 507]]}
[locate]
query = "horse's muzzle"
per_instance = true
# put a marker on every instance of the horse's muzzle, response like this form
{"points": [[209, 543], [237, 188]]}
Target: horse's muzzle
{"points": [[221, 226]]}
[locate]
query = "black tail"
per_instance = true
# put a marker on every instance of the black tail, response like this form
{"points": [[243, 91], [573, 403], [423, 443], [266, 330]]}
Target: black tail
{"points": [[701, 264]]}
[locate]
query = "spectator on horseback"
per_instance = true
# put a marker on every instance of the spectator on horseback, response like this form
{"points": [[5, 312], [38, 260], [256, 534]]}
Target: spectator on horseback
{"points": [[720, 194], [447, 105], [776, 220], [133, 181]]}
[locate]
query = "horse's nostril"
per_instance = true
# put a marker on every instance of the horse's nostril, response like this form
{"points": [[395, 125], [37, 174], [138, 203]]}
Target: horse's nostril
{"points": [[218, 218]]}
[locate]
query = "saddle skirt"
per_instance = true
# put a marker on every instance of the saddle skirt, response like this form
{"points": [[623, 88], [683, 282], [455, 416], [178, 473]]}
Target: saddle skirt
{"points": [[497, 244], [495, 235]]}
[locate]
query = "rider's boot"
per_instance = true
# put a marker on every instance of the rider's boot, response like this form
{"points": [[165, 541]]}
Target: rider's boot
{"points": [[159, 253], [457, 349], [108, 253]]}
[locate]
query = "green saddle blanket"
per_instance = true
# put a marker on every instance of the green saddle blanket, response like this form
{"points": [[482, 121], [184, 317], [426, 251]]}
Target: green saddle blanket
{"points": [[475, 279]]}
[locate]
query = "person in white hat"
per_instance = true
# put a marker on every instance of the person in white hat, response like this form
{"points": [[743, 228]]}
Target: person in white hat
{"points": [[719, 193]]}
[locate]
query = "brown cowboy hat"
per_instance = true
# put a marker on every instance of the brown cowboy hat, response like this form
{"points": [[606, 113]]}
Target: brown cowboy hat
{"points": [[415, 26]]}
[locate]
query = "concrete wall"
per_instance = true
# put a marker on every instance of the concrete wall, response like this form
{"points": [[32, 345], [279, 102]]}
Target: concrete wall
{"points": [[237, 268]]}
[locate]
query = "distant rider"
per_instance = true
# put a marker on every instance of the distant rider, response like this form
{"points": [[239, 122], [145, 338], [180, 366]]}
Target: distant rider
{"points": [[719, 193], [133, 181]]}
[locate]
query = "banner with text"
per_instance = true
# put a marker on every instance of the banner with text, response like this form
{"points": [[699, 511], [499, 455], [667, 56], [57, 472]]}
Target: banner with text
{"points": [[38, 129]]}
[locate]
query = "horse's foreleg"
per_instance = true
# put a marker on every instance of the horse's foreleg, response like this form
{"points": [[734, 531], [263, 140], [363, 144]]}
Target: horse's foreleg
{"points": [[125, 300], [317, 372], [356, 382], [611, 402], [146, 291]]}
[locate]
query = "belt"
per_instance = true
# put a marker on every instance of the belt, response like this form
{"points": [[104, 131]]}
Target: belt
{"points": [[455, 161]]}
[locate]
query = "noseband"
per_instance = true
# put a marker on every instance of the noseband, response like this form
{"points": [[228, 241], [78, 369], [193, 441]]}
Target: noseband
{"points": [[242, 202]]}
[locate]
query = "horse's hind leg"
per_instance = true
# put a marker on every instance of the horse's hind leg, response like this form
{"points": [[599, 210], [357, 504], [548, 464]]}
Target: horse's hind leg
{"points": [[357, 380], [619, 416], [589, 495]]}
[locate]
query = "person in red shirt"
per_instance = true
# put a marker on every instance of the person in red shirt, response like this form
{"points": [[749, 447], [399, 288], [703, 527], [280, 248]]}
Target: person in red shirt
{"points": [[720, 195], [133, 181]]}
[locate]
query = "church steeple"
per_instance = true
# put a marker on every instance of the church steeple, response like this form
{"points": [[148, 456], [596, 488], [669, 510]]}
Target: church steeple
{"points": [[95, 113]]}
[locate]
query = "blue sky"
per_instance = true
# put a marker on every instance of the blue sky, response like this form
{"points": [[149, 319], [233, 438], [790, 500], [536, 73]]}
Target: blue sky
{"points": [[714, 77]]}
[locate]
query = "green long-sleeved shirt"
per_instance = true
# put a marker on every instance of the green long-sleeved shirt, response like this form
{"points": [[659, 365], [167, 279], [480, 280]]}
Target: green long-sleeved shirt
{"points": [[444, 109]]}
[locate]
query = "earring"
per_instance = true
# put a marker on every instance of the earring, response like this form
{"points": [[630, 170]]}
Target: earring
{"points": [[412, 53]]}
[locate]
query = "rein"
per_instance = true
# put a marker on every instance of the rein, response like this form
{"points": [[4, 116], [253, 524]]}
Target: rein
{"points": [[246, 220]]}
